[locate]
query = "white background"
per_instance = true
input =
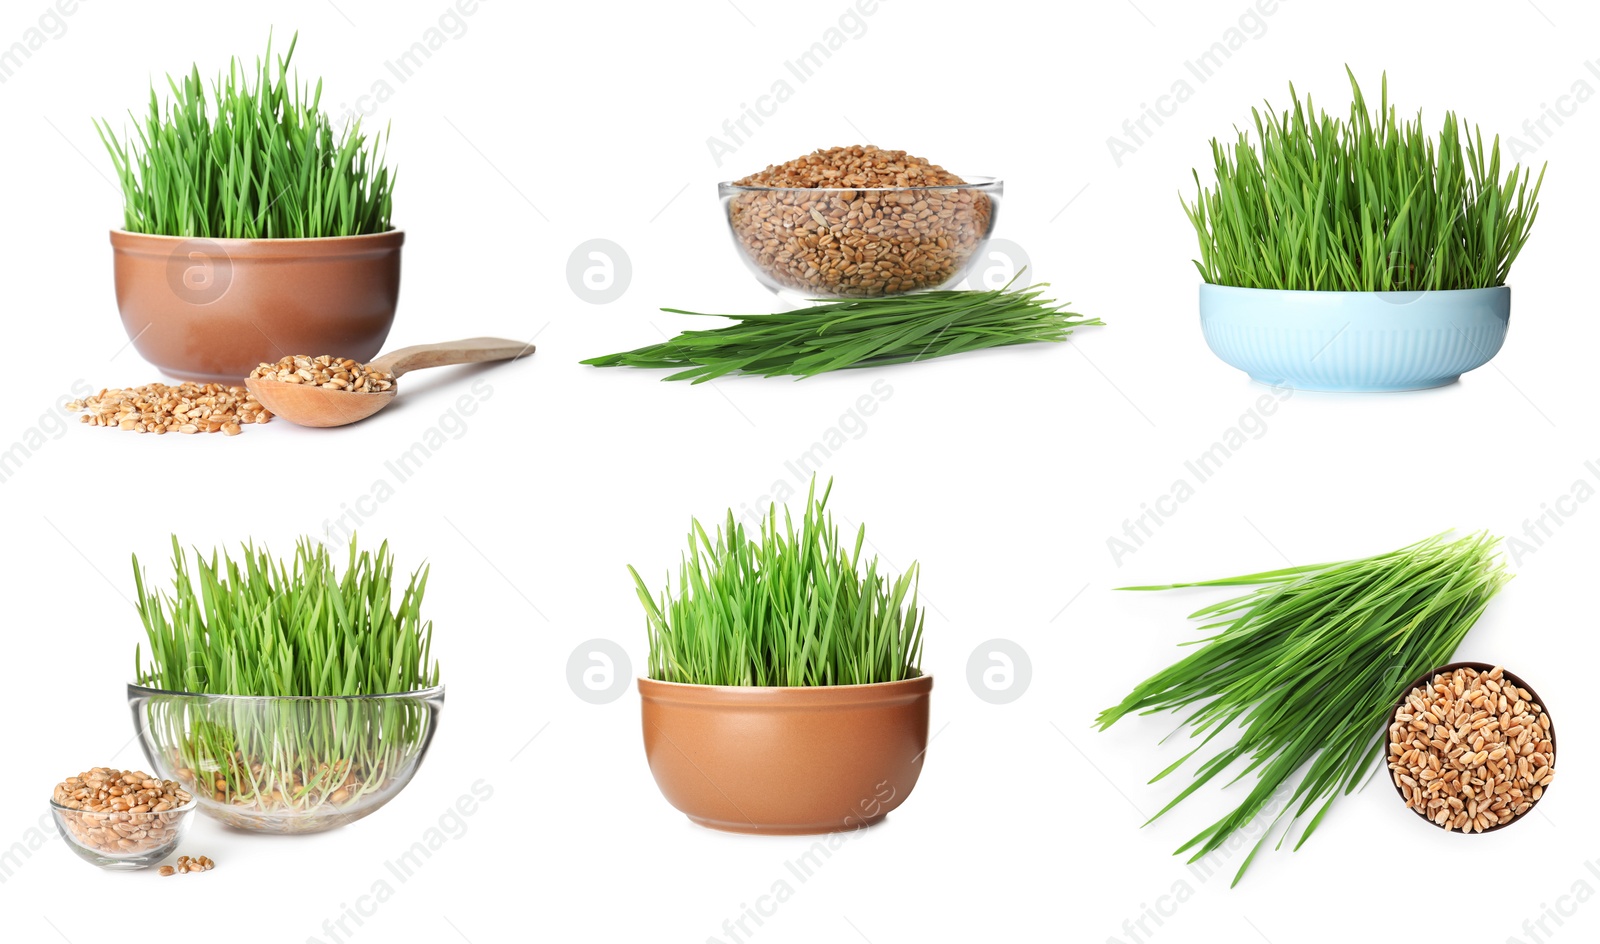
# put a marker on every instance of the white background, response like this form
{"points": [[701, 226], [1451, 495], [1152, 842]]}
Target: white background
{"points": [[544, 125]]}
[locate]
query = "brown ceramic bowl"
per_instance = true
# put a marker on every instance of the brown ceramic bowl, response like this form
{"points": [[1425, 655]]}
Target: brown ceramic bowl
{"points": [[786, 761], [1427, 677], [213, 309]]}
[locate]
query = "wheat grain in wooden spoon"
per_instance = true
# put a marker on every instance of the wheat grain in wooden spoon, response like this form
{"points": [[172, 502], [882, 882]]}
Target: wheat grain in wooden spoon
{"points": [[312, 405]]}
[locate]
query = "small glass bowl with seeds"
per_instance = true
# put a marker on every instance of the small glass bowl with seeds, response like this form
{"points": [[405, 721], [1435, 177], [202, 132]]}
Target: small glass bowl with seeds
{"points": [[859, 222], [1471, 747], [121, 820]]}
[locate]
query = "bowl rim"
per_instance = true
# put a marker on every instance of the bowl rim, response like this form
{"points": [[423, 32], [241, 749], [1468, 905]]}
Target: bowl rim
{"points": [[425, 694], [392, 232], [972, 183], [920, 676], [1428, 676], [1217, 286], [873, 693], [192, 805]]}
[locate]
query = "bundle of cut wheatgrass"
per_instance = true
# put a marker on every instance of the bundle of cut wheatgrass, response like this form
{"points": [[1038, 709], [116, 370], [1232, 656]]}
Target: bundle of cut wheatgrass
{"points": [[1304, 669], [861, 332]]}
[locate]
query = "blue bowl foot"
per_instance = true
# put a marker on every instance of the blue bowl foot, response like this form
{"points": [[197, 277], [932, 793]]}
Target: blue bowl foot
{"points": [[1360, 388]]}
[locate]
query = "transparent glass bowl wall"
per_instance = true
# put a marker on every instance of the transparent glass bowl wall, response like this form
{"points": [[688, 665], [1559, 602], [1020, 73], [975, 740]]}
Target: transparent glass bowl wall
{"points": [[865, 243], [122, 841], [286, 764]]}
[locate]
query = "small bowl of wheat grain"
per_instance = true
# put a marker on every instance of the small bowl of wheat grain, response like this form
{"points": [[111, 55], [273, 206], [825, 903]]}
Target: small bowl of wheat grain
{"points": [[859, 222], [121, 819], [1471, 747]]}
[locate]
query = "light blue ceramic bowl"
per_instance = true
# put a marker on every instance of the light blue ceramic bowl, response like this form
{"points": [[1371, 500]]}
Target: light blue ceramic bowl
{"points": [[1355, 340]]}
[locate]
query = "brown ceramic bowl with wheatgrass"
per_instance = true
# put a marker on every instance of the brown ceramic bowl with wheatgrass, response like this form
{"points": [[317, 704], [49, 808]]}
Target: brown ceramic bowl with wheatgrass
{"points": [[210, 310], [786, 760], [1509, 785]]}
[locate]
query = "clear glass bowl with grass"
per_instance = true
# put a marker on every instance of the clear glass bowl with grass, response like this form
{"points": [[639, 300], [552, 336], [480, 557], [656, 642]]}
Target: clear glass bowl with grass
{"points": [[123, 841], [870, 242], [287, 764]]}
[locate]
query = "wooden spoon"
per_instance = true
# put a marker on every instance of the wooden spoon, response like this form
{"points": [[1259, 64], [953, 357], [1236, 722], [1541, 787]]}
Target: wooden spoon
{"points": [[308, 405]]}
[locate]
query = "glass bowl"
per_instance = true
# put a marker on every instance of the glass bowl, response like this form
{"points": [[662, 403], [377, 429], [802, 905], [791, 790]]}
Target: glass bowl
{"points": [[821, 242], [286, 764], [123, 842]]}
